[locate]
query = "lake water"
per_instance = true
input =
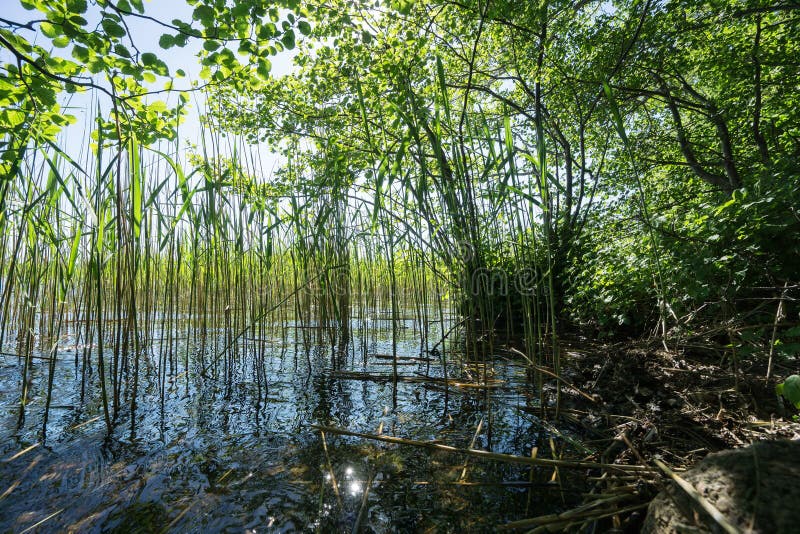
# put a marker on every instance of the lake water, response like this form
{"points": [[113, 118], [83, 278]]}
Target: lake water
{"points": [[223, 455]]}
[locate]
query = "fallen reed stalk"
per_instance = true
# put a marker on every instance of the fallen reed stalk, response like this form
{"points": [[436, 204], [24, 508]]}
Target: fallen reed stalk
{"points": [[554, 524], [585, 512], [486, 455], [549, 373], [330, 468]]}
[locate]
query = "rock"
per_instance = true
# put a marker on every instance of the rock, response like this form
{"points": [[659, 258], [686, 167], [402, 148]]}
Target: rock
{"points": [[756, 488]]}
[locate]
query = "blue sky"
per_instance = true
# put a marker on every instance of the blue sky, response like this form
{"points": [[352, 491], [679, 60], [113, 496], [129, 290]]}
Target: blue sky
{"points": [[145, 35]]}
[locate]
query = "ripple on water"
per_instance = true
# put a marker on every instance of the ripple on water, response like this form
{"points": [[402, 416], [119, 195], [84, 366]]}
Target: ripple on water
{"points": [[245, 459]]}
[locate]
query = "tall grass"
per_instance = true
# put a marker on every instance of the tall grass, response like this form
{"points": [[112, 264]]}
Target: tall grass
{"points": [[134, 254]]}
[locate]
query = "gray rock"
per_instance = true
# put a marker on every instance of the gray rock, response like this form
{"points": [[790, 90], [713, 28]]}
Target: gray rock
{"points": [[757, 488]]}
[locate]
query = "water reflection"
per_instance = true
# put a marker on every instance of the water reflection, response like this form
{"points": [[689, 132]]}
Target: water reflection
{"points": [[355, 488], [210, 456]]}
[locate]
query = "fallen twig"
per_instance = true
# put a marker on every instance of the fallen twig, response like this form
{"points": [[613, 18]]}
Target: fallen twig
{"points": [[553, 375]]}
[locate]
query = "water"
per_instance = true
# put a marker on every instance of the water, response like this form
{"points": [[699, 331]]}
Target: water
{"points": [[215, 457]]}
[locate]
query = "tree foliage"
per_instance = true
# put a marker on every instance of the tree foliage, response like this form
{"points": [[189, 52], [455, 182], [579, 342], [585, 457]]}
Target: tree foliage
{"points": [[639, 155], [78, 45]]}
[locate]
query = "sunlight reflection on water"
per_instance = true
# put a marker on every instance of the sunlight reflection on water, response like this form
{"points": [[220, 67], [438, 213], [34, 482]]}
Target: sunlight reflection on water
{"points": [[210, 458]]}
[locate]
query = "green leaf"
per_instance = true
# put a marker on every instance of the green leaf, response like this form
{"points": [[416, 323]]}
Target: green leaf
{"points": [[61, 42], [266, 31], [101, 226], [121, 50], [136, 186], [204, 14], [523, 194], [288, 39], [53, 188], [97, 65], [612, 101], [76, 6], [264, 66], [304, 27], [80, 53], [443, 88], [73, 253], [112, 28], [149, 59], [50, 30], [166, 41], [159, 106], [790, 389]]}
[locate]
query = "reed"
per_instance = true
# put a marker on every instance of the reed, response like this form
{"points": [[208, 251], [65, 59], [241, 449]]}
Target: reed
{"points": [[183, 262]]}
